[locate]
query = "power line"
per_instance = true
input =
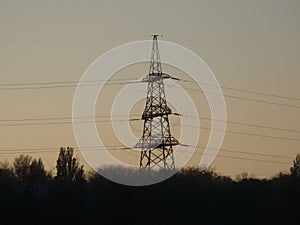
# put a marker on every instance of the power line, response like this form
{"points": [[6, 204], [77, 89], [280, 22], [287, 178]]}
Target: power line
{"points": [[64, 82], [116, 148], [231, 96], [238, 97], [71, 39], [63, 86], [66, 118], [121, 147], [136, 119], [132, 119], [230, 88], [256, 160], [11, 86], [236, 157], [49, 149], [95, 38], [128, 79], [101, 121], [63, 122], [222, 45], [241, 152], [245, 133], [256, 154], [240, 123], [242, 90]]}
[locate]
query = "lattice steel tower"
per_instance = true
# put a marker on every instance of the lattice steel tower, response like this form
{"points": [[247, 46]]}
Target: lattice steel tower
{"points": [[157, 142]]}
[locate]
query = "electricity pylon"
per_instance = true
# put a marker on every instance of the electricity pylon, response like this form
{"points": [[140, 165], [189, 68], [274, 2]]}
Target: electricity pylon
{"points": [[157, 142]]}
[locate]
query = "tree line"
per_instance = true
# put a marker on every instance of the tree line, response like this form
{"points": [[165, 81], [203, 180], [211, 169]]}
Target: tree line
{"points": [[30, 194]]}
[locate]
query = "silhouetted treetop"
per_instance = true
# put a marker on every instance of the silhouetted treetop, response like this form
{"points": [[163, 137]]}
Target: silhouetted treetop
{"points": [[22, 167], [295, 169], [37, 171], [68, 168]]}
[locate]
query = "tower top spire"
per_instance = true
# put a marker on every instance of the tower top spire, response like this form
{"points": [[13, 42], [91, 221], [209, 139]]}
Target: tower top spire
{"points": [[155, 63]]}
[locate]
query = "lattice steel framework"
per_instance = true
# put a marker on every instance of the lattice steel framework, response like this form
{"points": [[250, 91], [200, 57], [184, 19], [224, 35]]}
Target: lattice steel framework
{"points": [[157, 142]]}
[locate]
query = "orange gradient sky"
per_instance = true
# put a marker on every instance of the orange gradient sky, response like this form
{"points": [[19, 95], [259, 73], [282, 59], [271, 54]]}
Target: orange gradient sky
{"points": [[249, 45]]}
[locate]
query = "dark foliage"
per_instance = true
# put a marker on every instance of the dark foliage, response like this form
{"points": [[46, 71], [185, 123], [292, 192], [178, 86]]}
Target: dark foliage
{"points": [[68, 169], [295, 169], [30, 196]]}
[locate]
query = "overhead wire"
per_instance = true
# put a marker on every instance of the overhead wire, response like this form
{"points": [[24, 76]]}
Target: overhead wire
{"points": [[115, 148], [7, 87], [242, 90], [244, 133], [137, 118], [63, 39], [75, 120], [238, 97], [240, 123]]}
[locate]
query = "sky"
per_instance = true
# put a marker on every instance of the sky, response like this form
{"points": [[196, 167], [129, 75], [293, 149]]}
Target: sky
{"points": [[249, 45]]}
